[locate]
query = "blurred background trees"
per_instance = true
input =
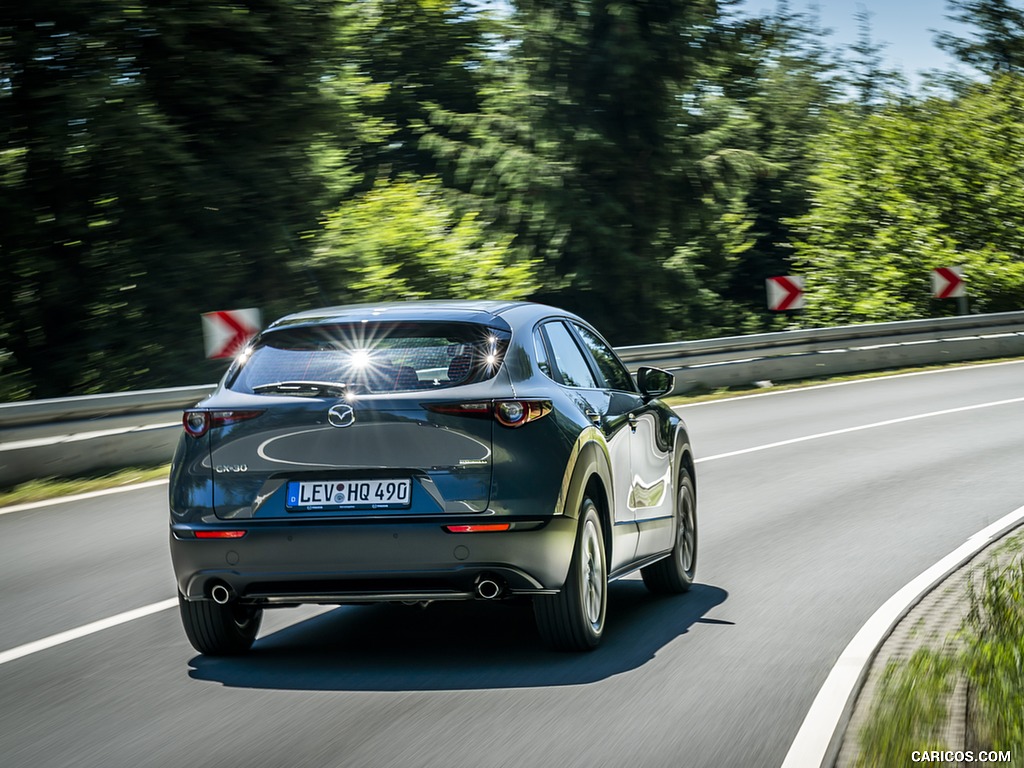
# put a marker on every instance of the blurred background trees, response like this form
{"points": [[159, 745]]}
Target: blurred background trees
{"points": [[646, 163], [155, 163]]}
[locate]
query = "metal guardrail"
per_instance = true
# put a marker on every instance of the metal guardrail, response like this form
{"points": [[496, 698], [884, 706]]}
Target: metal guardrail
{"points": [[64, 409], [68, 435], [814, 352]]}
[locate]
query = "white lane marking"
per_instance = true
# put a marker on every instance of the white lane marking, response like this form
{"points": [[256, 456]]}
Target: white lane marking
{"points": [[812, 741], [859, 428], [81, 496], [89, 629], [150, 484], [39, 442], [848, 383]]}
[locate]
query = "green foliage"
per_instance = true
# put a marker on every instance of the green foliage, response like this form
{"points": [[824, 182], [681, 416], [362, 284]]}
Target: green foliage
{"points": [[404, 240], [994, 657], [647, 164], [997, 43], [400, 62], [154, 165], [611, 156], [912, 187], [909, 710], [778, 73]]}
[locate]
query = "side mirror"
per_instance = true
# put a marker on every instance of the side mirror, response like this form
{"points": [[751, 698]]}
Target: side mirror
{"points": [[654, 382]]}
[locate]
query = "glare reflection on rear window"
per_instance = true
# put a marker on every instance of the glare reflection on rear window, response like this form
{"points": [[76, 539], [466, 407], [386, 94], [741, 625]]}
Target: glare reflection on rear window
{"points": [[372, 358]]}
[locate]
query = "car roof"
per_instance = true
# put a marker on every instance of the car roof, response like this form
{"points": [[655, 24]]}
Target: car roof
{"points": [[478, 311]]}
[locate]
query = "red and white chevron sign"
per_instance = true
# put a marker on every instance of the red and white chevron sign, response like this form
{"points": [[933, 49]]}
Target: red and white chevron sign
{"points": [[785, 292], [948, 283], [226, 333]]}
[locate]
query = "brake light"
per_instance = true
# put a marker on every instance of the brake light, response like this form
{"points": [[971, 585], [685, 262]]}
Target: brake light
{"points": [[198, 422], [219, 534], [509, 413], [477, 528]]}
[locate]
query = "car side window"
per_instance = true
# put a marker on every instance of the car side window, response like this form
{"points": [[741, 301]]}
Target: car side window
{"points": [[541, 351], [613, 371], [569, 358]]}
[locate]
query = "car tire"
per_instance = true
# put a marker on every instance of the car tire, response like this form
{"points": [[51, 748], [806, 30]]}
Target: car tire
{"points": [[219, 630], [573, 620], [674, 574]]}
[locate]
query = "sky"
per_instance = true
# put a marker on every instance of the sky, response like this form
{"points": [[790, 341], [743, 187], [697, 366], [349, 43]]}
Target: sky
{"points": [[904, 26]]}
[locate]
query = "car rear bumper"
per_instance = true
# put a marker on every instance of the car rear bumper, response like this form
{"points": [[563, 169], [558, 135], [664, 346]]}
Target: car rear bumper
{"points": [[351, 563]]}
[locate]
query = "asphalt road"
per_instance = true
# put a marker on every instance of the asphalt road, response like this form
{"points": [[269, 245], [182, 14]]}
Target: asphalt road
{"points": [[799, 544]]}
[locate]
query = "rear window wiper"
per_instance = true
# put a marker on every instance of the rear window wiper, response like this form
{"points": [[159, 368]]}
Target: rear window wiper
{"points": [[300, 388]]}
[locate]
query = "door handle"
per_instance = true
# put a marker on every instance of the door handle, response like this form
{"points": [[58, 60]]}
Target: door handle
{"points": [[633, 421], [594, 416]]}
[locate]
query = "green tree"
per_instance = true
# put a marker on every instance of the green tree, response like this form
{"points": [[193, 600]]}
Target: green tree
{"points": [[781, 74], [872, 83], [605, 147], [154, 163], [404, 61], [918, 185], [997, 43], [404, 240]]}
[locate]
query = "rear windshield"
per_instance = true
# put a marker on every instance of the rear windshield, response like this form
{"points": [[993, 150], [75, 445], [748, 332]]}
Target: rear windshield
{"points": [[367, 358]]}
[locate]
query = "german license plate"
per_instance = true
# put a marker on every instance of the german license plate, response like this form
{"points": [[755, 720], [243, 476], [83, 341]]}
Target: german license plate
{"points": [[391, 493]]}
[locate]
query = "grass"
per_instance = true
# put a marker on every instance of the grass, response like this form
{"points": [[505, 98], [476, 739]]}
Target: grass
{"points": [[55, 487], [993, 659], [706, 395], [909, 711]]}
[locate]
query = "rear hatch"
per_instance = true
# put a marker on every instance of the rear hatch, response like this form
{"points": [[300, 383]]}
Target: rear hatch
{"points": [[354, 419]]}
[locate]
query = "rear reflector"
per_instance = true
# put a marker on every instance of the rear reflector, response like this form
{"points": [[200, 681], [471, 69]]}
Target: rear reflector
{"points": [[477, 528], [219, 534]]}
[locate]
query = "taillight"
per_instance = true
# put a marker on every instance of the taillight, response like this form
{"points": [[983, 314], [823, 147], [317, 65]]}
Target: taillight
{"points": [[515, 413], [198, 422], [509, 413]]}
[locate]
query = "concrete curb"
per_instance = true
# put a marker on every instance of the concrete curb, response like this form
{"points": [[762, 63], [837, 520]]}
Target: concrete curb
{"points": [[818, 742]]}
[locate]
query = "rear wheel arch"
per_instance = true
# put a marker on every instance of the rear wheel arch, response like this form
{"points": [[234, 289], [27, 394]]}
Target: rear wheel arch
{"points": [[591, 461], [597, 492], [591, 477], [684, 456]]}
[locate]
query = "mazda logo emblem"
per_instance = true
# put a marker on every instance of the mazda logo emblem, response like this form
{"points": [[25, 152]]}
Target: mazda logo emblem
{"points": [[341, 416]]}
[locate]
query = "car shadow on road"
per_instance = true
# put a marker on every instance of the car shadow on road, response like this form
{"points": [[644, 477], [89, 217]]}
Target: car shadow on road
{"points": [[460, 646]]}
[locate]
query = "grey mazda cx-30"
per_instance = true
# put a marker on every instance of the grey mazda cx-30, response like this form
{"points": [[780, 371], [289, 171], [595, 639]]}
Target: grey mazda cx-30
{"points": [[423, 451]]}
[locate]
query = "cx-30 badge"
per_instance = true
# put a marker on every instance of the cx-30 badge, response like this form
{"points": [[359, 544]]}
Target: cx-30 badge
{"points": [[341, 416]]}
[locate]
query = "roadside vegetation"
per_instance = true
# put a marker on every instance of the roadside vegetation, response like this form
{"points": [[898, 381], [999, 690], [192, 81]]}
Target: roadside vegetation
{"points": [[58, 487], [160, 160], [910, 710]]}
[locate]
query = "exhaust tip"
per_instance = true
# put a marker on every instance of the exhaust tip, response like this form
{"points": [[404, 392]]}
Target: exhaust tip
{"points": [[221, 594], [489, 587]]}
